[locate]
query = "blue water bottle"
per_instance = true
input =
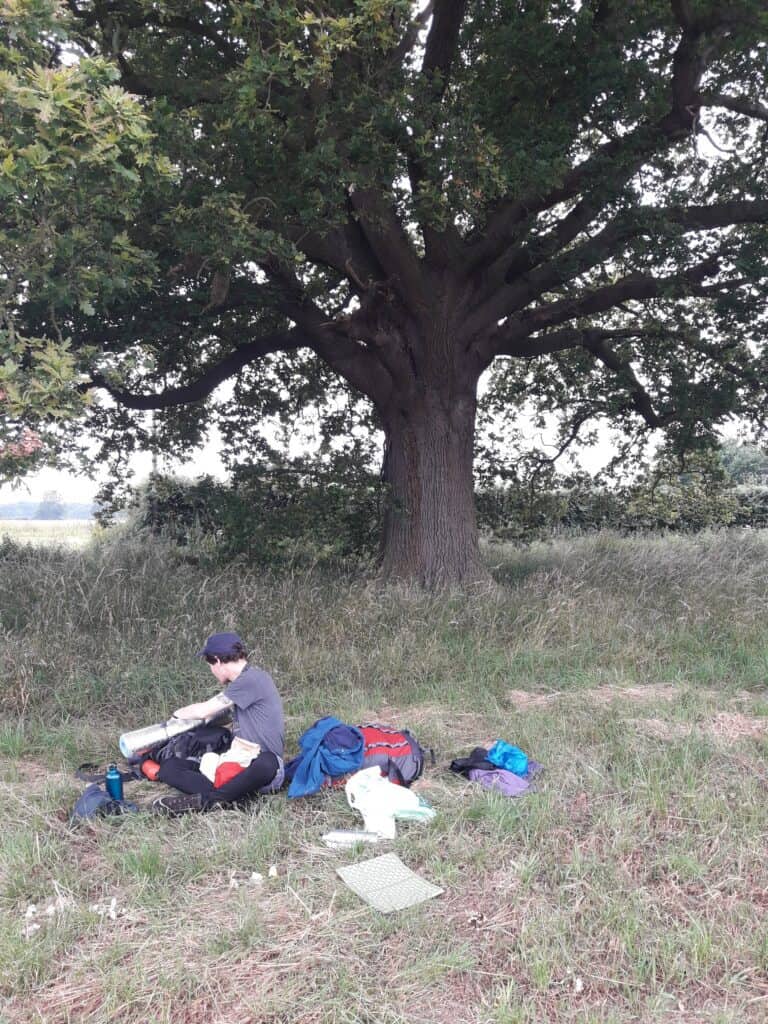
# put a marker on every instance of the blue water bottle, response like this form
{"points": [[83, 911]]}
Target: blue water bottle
{"points": [[114, 781]]}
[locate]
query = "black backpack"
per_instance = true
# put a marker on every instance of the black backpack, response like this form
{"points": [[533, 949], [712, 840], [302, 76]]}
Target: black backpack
{"points": [[203, 739]]}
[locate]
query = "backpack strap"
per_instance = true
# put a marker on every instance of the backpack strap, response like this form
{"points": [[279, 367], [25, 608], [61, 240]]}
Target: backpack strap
{"points": [[90, 773]]}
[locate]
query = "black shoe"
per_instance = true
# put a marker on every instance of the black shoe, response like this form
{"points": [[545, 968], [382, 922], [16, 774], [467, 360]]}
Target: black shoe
{"points": [[173, 806]]}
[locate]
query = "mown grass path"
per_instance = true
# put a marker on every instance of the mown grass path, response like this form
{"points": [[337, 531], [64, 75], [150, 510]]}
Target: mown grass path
{"points": [[631, 887]]}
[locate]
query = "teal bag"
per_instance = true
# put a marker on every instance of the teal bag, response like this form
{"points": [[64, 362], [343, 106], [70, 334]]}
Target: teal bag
{"points": [[504, 755]]}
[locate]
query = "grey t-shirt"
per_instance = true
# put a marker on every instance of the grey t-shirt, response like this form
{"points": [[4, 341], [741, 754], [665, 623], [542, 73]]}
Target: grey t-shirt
{"points": [[258, 709]]}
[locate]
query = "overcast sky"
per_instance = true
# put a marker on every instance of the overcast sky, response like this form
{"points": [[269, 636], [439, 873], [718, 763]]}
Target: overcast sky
{"points": [[73, 488], [207, 460]]}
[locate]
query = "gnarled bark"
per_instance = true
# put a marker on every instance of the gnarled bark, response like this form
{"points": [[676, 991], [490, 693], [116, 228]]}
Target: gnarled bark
{"points": [[430, 529]]}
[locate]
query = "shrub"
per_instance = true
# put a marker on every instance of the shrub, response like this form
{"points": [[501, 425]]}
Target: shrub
{"points": [[305, 513], [268, 516]]}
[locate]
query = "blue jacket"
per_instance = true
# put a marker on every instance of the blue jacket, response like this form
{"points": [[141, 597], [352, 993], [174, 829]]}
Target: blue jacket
{"points": [[329, 747]]}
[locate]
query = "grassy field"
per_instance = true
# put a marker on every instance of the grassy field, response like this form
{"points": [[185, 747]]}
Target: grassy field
{"points": [[70, 532], [632, 887]]}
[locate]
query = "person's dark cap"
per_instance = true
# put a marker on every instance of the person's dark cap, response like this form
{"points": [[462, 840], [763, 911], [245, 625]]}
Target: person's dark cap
{"points": [[221, 645]]}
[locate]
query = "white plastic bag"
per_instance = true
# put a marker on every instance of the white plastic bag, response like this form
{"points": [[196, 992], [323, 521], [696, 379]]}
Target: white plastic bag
{"points": [[380, 802]]}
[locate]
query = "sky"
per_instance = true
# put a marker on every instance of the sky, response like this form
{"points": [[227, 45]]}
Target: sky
{"points": [[207, 460], [72, 488]]}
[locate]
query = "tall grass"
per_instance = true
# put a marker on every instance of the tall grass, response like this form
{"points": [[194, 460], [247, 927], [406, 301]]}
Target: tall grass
{"points": [[630, 887], [110, 632], [70, 532]]}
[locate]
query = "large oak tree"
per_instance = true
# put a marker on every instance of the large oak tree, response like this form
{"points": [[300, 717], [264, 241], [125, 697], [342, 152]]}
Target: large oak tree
{"points": [[403, 195]]}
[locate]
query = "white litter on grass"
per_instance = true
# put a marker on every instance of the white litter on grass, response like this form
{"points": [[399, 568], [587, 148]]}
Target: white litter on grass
{"points": [[344, 839], [272, 873], [238, 878], [109, 910], [62, 901], [35, 917]]}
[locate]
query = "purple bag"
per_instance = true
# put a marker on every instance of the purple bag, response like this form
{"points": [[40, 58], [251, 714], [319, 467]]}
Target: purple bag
{"points": [[500, 781]]}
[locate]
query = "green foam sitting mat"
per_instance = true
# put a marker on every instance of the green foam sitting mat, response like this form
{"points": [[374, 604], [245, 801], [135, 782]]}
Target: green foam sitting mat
{"points": [[387, 884]]}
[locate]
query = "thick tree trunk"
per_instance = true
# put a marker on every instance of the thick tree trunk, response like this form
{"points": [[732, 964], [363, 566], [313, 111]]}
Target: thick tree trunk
{"points": [[430, 529]]}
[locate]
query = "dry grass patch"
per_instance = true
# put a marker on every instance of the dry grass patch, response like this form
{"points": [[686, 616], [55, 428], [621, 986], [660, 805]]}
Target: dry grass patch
{"points": [[730, 726], [661, 729], [727, 727], [650, 693]]}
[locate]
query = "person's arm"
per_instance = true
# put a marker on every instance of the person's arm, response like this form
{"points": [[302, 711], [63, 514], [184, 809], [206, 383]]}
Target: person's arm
{"points": [[204, 709]]}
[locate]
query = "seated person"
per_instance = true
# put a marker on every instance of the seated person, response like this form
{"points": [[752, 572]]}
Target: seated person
{"points": [[257, 713]]}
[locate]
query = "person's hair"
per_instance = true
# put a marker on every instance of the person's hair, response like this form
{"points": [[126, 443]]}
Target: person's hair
{"points": [[238, 653]]}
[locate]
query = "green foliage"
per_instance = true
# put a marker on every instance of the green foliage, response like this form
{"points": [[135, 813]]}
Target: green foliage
{"points": [[75, 151], [745, 463], [301, 515], [295, 514], [677, 496]]}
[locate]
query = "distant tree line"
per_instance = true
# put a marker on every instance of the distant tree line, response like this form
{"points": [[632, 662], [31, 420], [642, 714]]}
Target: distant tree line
{"points": [[306, 510], [51, 506]]}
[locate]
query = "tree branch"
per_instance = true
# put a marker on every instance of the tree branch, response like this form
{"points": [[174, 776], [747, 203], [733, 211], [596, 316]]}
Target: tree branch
{"points": [[364, 369], [411, 35], [439, 55], [390, 244], [595, 340], [561, 341], [349, 360], [639, 397], [211, 375], [184, 90], [634, 287], [738, 104], [622, 157], [532, 280], [358, 365], [119, 17], [344, 249], [442, 43]]}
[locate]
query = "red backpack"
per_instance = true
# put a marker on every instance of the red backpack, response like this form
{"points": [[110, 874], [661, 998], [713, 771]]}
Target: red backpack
{"points": [[396, 751]]}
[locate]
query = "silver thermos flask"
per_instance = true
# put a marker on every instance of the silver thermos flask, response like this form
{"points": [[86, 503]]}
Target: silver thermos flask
{"points": [[140, 741]]}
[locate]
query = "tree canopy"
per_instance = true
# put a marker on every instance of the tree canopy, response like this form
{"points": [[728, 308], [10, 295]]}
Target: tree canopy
{"points": [[72, 143], [387, 199]]}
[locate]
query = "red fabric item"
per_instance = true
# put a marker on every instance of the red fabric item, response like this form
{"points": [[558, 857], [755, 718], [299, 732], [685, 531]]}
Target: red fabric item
{"points": [[150, 768], [226, 770]]}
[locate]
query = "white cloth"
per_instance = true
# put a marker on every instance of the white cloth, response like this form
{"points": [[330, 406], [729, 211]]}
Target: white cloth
{"points": [[242, 752], [209, 763]]}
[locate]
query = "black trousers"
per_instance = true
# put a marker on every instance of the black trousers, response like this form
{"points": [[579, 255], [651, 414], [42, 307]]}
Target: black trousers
{"points": [[186, 775]]}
